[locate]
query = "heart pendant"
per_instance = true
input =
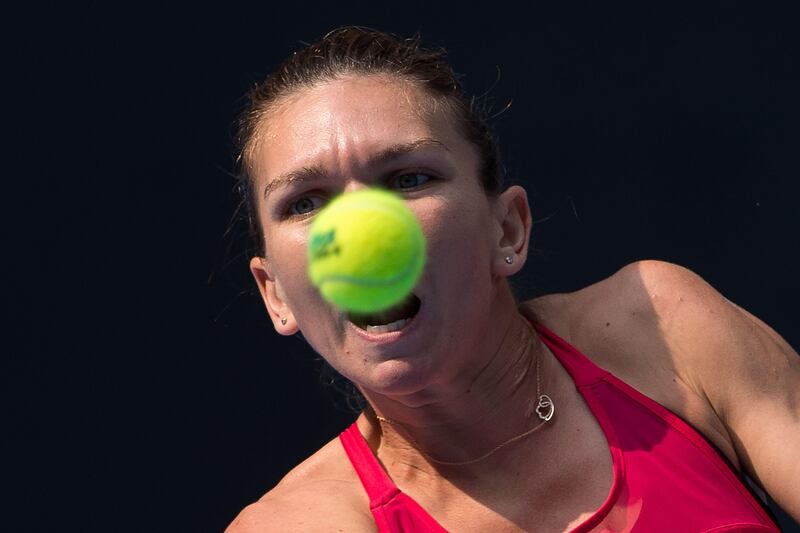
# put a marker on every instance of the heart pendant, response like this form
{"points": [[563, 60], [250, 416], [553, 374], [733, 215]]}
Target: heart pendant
{"points": [[547, 406]]}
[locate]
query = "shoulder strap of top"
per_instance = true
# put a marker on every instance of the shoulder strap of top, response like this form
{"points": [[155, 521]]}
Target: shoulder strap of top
{"points": [[581, 368], [379, 486]]}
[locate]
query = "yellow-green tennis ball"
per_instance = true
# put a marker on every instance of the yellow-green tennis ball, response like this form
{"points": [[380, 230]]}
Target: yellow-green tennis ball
{"points": [[366, 251]]}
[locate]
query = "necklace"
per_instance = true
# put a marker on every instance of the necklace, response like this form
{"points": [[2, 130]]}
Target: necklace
{"points": [[545, 409]]}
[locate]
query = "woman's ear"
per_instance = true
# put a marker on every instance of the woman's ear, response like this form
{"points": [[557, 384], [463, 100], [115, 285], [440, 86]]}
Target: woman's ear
{"points": [[513, 229], [273, 296]]}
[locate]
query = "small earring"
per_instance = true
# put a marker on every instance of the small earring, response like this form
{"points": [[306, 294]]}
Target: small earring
{"points": [[283, 321], [509, 259]]}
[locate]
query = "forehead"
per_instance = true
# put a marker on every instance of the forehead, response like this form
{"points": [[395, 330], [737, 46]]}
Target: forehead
{"points": [[340, 123]]}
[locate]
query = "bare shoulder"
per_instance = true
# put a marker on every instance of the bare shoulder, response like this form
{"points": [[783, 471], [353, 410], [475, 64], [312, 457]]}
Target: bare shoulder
{"points": [[624, 318], [627, 324], [621, 308], [321, 494], [737, 380]]}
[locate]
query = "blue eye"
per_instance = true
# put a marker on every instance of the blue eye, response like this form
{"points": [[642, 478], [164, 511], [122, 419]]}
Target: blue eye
{"points": [[411, 180], [303, 205]]}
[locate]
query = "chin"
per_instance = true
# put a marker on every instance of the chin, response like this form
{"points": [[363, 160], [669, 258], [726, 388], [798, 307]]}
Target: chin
{"points": [[397, 377]]}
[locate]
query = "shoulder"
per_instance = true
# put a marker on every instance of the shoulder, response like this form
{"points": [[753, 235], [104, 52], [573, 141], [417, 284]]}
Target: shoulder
{"points": [[622, 315], [745, 374], [642, 290], [633, 306], [320, 494], [686, 319], [648, 324]]}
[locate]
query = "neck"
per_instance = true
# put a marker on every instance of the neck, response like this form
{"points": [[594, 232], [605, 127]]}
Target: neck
{"points": [[490, 400]]}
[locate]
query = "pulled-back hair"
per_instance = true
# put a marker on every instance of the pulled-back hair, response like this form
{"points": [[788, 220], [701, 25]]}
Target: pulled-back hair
{"points": [[359, 51]]}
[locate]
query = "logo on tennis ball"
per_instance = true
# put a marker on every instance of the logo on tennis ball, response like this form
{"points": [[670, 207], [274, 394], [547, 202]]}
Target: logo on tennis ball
{"points": [[323, 244]]}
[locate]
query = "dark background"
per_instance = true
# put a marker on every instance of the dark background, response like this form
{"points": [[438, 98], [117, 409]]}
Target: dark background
{"points": [[143, 386]]}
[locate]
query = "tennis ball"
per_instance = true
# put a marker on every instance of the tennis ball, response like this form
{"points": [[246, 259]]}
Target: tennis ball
{"points": [[366, 251]]}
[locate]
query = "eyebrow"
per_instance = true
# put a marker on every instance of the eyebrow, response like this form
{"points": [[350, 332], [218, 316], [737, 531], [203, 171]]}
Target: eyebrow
{"points": [[384, 156]]}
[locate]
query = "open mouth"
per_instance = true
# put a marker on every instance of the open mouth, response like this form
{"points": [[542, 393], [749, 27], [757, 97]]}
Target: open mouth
{"points": [[393, 319]]}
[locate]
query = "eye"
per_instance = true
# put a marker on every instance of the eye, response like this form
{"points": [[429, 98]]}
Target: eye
{"points": [[304, 205], [411, 180]]}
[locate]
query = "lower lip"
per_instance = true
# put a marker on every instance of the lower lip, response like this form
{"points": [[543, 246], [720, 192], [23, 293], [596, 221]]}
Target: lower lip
{"points": [[385, 338]]}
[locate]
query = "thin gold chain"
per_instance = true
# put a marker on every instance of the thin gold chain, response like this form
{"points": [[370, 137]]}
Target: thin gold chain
{"points": [[542, 403]]}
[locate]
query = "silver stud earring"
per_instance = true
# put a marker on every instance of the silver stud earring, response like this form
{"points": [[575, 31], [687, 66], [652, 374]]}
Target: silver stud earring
{"points": [[509, 259], [283, 321]]}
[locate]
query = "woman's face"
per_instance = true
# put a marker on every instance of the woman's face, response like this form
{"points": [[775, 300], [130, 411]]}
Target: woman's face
{"points": [[356, 132]]}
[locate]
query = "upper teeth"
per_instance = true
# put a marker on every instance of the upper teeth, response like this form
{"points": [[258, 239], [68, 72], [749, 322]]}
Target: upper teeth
{"points": [[387, 328]]}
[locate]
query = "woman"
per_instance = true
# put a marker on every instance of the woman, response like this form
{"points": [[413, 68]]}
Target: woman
{"points": [[485, 414]]}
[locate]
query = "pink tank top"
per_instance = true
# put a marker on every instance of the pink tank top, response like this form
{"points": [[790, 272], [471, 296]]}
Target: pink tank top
{"points": [[667, 477]]}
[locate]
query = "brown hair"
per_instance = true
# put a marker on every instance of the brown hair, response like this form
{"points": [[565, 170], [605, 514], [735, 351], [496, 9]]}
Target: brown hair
{"points": [[356, 50]]}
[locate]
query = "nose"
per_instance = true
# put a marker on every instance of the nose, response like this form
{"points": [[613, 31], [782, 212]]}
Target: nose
{"points": [[354, 185]]}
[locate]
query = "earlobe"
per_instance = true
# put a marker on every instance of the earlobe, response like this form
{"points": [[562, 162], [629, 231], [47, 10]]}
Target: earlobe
{"points": [[274, 300], [513, 218]]}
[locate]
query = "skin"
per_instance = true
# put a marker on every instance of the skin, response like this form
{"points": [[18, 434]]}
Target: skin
{"points": [[461, 381], [451, 374]]}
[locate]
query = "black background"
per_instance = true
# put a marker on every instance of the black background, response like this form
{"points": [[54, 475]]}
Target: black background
{"points": [[143, 386]]}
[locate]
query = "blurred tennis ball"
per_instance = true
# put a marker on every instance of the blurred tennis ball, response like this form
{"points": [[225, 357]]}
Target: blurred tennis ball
{"points": [[366, 251]]}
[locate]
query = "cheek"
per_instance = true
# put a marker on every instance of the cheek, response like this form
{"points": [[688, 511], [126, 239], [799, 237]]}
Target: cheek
{"points": [[286, 250], [458, 237], [310, 310]]}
